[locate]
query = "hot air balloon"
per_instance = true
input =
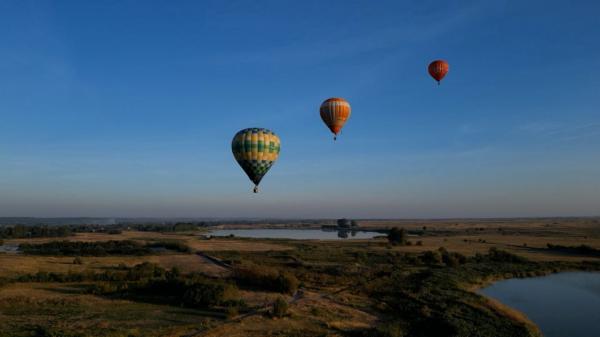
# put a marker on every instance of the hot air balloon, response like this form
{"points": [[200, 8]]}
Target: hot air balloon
{"points": [[255, 149], [438, 69], [335, 112]]}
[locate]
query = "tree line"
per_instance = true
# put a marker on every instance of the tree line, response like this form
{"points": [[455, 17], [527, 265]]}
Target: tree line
{"points": [[100, 248]]}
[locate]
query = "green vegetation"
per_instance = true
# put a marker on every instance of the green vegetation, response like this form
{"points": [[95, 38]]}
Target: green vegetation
{"points": [[267, 278], [80, 248], [167, 228], [280, 307], [424, 294], [375, 288], [148, 282], [22, 231], [346, 223], [101, 248], [173, 245], [397, 236], [580, 250]]}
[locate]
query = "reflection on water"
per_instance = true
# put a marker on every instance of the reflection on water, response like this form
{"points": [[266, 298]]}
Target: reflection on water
{"points": [[297, 234], [9, 248], [565, 304], [343, 234]]}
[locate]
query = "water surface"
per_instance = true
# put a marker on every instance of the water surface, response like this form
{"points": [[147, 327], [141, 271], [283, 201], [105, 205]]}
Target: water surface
{"points": [[297, 234], [9, 248], [562, 305]]}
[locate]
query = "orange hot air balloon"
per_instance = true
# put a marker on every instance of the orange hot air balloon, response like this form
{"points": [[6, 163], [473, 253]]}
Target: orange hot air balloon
{"points": [[438, 69], [335, 112]]}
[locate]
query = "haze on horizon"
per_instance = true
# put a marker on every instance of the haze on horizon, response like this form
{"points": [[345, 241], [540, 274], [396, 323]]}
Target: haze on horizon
{"points": [[127, 109]]}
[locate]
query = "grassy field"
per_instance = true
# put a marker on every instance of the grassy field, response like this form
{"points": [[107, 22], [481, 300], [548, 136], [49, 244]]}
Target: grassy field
{"points": [[346, 288], [61, 310]]}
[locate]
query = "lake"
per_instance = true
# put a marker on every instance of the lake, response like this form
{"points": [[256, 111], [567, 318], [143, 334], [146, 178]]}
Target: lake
{"points": [[562, 305], [296, 234]]}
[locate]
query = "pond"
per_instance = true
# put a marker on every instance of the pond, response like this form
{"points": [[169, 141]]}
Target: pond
{"points": [[9, 248], [564, 304], [296, 234]]}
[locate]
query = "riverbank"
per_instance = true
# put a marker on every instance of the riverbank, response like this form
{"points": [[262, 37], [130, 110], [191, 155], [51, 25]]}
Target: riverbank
{"points": [[561, 304]]}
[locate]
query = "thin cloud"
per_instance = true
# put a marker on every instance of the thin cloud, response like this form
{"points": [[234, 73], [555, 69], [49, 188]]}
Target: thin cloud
{"points": [[560, 131], [386, 39]]}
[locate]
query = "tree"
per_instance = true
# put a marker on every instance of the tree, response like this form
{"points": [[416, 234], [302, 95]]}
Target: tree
{"points": [[397, 236], [344, 223], [354, 223]]}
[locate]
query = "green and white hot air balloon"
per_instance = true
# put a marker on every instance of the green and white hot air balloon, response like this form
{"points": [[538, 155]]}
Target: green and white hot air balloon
{"points": [[255, 149]]}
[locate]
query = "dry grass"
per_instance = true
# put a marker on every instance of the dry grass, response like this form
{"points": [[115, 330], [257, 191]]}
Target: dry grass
{"points": [[237, 245], [60, 308], [14, 264], [530, 246], [510, 313], [312, 315], [125, 235], [195, 241]]}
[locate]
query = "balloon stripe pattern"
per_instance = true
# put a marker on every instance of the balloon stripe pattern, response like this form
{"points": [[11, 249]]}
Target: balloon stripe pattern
{"points": [[255, 149], [335, 112], [438, 69]]}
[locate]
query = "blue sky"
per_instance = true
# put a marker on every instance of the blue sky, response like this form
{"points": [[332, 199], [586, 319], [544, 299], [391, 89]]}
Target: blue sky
{"points": [[127, 108]]}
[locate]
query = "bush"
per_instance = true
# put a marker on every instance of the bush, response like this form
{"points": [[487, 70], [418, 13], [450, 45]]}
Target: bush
{"points": [[266, 278], [431, 257], [171, 245], [498, 255], [232, 311], [390, 330], [100, 248], [397, 236], [206, 294], [280, 307], [79, 248], [581, 249]]}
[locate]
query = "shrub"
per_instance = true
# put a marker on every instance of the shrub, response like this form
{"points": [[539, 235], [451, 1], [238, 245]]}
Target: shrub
{"points": [[80, 248], [171, 245], [267, 278], [581, 249], [205, 294], [397, 236], [280, 307], [431, 257], [390, 330], [498, 255], [232, 311]]}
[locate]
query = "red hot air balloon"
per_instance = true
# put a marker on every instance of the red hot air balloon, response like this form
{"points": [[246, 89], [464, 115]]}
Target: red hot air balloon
{"points": [[438, 69]]}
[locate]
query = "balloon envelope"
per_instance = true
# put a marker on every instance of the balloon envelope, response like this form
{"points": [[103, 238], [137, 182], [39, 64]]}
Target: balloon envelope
{"points": [[255, 149], [335, 112], [438, 69]]}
